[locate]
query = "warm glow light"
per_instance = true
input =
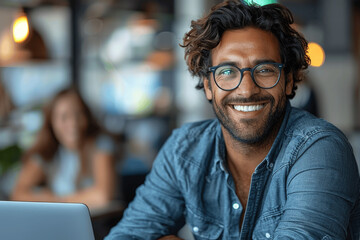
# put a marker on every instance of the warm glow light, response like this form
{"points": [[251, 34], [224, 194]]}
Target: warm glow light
{"points": [[21, 29], [316, 54]]}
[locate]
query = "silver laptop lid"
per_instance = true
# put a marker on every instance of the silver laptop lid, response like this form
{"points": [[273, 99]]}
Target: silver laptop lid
{"points": [[44, 221]]}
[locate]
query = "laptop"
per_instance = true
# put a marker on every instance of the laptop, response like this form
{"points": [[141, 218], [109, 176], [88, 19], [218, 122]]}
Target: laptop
{"points": [[44, 221]]}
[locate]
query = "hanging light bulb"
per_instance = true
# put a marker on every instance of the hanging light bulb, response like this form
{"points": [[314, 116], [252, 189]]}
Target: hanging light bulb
{"points": [[21, 29], [23, 43]]}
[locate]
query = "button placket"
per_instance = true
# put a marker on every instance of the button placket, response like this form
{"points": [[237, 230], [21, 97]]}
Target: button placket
{"points": [[235, 206], [195, 229]]}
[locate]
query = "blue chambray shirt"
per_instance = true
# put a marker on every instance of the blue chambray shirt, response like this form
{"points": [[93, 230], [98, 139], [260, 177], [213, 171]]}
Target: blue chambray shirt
{"points": [[307, 187]]}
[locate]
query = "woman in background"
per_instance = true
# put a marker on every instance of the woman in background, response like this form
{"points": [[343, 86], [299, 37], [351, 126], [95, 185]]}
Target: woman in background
{"points": [[71, 159]]}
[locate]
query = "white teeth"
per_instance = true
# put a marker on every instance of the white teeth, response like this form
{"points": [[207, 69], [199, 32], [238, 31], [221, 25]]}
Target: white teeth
{"points": [[250, 108]]}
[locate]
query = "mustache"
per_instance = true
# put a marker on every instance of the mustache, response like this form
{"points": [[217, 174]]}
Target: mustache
{"points": [[242, 100]]}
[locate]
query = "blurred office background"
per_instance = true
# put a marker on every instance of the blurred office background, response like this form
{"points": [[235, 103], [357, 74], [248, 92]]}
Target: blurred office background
{"points": [[124, 56]]}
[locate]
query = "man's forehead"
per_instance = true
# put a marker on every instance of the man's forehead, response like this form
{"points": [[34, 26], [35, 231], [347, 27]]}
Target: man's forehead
{"points": [[248, 43]]}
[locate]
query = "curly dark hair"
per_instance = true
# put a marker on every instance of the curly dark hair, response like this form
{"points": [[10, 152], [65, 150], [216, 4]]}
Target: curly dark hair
{"points": [[205, 34]]}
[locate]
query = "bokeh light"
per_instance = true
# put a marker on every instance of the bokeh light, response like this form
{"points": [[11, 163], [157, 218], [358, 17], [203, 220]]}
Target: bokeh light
{"points": [[21, 29], [316, 54]]}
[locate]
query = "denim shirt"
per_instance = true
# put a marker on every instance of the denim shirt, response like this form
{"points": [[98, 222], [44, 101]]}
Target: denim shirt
{"points": [[307, 187]]}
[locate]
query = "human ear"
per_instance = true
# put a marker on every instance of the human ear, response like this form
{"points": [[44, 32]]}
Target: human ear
{"points": [[207, 89]]}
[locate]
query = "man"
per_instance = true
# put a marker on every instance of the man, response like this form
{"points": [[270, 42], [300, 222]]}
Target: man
{"points": [[262, 169]]}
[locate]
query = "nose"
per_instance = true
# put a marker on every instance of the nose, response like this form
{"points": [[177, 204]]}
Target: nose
{"points": [[73, 123], [247, 86]]}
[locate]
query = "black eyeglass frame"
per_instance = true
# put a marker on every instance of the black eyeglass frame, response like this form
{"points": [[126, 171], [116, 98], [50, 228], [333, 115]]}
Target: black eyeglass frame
{"points": [[251, 70]]}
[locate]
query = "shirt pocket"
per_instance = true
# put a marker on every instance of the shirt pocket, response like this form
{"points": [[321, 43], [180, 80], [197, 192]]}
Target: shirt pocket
{"points": [[266, 225], [203, 227]]}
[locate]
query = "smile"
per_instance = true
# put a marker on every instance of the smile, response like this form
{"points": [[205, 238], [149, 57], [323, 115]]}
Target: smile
{"points": [[248, 108]]}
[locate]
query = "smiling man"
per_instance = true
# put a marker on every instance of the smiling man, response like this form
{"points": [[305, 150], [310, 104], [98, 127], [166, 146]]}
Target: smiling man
{"points": [[262, 169]]}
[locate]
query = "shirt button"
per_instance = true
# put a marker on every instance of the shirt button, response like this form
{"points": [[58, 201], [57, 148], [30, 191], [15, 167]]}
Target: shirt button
{"points": [[236, 206], [195, 229], [267, 235]]}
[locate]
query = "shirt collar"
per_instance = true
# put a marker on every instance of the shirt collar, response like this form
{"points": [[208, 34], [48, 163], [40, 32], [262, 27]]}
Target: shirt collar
{"points": [[276, 146], [219, 155]]}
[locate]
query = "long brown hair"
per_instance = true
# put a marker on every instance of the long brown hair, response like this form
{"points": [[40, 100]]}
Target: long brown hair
{"points": [[6, 103], [46, 143]]}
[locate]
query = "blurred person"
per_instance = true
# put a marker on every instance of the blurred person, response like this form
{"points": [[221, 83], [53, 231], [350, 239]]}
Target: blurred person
{"points": [[72, 160], [262, 169]]}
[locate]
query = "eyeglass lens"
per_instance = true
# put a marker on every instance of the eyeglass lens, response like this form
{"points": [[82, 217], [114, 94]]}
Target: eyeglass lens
{"points": [[265, 75]]}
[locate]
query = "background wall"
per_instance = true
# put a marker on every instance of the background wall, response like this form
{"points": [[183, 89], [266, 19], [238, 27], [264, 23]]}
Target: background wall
{"points": [[133, 74]]}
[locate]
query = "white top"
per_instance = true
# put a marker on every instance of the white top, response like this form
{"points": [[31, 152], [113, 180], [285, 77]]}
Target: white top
{"points": [[63, 171]]}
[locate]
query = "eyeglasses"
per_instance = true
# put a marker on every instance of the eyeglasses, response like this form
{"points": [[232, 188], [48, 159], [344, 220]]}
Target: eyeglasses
{"points": [[265, 75]]}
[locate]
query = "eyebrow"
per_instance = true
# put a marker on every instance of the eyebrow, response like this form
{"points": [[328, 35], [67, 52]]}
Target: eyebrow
{"points": [[256, 62], [265, 61]]}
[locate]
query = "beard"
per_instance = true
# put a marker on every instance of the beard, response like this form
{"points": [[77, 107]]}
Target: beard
{"points": [[252, 131]]}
